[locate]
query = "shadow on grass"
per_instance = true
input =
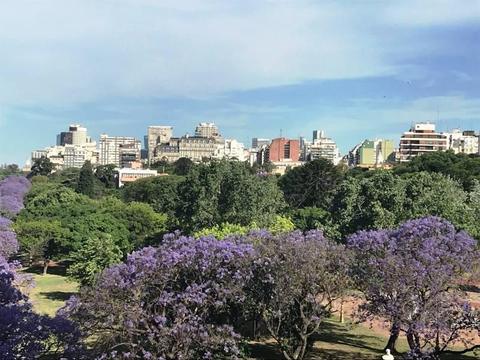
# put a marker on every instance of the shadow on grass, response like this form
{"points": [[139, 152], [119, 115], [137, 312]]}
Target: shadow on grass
{"points": [[260, 351], [471, 288], [57, 295], [59, 269], [339, 334]]}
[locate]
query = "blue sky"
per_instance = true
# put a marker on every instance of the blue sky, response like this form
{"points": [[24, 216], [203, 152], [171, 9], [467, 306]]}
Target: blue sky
{"points": [[357, 69]]}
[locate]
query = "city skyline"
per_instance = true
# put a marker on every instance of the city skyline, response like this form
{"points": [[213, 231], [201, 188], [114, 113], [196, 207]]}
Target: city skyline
{"points": [[361, 71]]}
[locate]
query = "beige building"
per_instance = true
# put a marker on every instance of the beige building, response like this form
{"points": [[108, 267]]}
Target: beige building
{"points": [[118, 149], [207, 130], [422, 138], [157, 135]]}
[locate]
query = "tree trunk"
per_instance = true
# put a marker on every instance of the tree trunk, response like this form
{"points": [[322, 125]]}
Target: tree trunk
{"points": [[45, 266], [392, 340], [411, 340], [342, 314]]}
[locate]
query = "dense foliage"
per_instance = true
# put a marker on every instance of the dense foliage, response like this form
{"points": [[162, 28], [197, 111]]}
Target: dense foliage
{"points": [[461, 167], [177, 301], [42, 166], [23, 333], [384, 200], [227, 192], [311, 185], [197, 297], [58, 222], [297, 279], [410, 277]]}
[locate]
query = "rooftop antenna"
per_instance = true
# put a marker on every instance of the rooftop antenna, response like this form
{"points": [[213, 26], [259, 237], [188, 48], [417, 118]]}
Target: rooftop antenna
{"points": [[281, 132]]}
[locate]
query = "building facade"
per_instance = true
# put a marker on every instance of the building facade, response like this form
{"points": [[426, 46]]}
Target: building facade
{"points": [[463, 142], [207, 130], [157, 135], [282, 149], [372, 154], [118, 149], [257, 143], [422, 138], [321, 147], [73, 148], [126, 175]]}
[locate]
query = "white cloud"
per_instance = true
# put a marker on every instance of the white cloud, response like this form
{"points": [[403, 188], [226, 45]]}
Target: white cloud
{"points": [[69, 51]]}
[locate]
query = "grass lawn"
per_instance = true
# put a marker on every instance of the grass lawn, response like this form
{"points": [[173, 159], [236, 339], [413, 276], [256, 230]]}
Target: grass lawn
{"points": [[51, 292]]}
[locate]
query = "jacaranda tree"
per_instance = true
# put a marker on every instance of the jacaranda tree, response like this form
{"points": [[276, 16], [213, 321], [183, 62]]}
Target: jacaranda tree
{"points": [[177, 301], [297, 279], [25, 334], [410, 277]]}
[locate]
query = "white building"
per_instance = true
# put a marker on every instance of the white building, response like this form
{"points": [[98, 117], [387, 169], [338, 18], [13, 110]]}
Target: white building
{"points": [[114, 149], [75, 148], [126, 175], [207, 130], [322, 147], [464, 142], [231, 149]]}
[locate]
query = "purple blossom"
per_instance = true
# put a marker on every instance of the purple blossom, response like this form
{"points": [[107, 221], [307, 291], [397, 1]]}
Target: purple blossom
{"points": [[168, 302], [12, 191], [410, 277], [8, 243]]}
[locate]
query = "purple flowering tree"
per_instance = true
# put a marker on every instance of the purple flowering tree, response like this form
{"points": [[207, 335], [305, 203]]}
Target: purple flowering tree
{"points": [[178, 301], [297, 279], [23, 333], [410, 278], [12, 191]]}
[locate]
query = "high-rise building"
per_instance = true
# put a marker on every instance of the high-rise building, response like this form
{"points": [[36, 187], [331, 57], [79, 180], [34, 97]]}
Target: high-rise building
{"points": [[64, 138], [257, 143], [422, 138], [317, 135], [157, 135], [282, 149], [231, 149], [79, 135], [112, 148], [372, 153], [464, 142], [73, 148], [207, 130], [321, 147]]}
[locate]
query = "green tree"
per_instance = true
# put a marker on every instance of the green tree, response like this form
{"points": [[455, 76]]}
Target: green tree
{"points": [[313, 218], [163, 166], [161, 192], [86, 180], [227, 192], [41, 166], [41, 239], [312, 184], [107, 175], [374, 202], [95, 255], [67, 177], [461, 167], [143, 223], [183, 166]]}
